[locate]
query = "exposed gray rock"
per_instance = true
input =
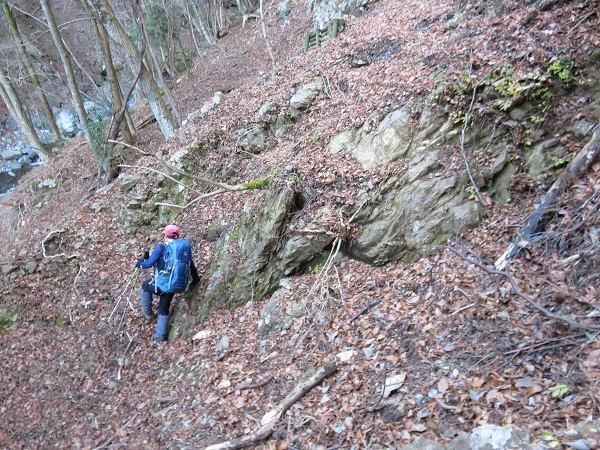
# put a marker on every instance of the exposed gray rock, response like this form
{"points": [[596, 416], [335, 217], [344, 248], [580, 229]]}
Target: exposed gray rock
{"points": [[326, 10], [304, 96], [283, 10], [266, 108], [422, 443], [264, 257], [11, 153], [582, 128], [30, 267], [391, 140], [412, 214], [275, 316], [492, 437], [129, 181], [9, 316], [255, 141], [9, 268], [223, 343], [543, 157]]}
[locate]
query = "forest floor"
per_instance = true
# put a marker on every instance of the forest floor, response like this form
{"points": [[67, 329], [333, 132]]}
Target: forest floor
{"points": [[464, 346]]}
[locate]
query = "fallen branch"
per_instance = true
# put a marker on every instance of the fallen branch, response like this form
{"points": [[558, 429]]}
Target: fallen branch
{"points": [[364, 310], [255, 385], [517, 290], [225, 186], [191, 202], [536, 222], [250, 386], [160, 173], [270, 419]]}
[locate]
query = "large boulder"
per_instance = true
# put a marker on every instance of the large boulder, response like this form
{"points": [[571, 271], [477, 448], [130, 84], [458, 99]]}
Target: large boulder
{"points": [[412, 214]]}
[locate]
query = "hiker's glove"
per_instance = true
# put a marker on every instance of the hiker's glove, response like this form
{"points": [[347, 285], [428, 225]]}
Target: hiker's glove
{"points": [[139, 263]]}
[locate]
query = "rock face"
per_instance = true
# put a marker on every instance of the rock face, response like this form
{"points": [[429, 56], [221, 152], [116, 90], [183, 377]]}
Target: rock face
{"points": [[413, 214], [251, 258], [391, 141], [407, 216], [326, 10]]}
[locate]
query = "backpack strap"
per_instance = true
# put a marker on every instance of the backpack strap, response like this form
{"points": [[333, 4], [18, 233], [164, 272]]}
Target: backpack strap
{"points": [[159, 265]]}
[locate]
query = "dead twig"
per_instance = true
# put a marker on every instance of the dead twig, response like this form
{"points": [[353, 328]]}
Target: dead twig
{"points": [[464, 153], [253, 386], [121, 361], [160, 173], [224, 186], [463, 308], [364, 310], [517, 290]]}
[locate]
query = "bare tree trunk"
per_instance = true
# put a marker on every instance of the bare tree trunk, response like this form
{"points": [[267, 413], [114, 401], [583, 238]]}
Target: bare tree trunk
{"points": [[111, 73], [200, 25], [70, 75], [14, 30], [155, 63], [14, 105], [164, 118]]}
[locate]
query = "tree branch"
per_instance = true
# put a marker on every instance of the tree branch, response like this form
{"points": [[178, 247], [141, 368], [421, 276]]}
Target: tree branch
{"points": [[224, 186], [270, 419], [517, 290], [536, 222]]}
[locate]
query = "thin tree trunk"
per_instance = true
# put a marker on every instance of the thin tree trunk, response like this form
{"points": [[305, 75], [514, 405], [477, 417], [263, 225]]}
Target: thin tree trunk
{"points": [[157, 67], [70, 75], [14, 105], [164, 118], [14, 30], [199, 24], [111, 73]]}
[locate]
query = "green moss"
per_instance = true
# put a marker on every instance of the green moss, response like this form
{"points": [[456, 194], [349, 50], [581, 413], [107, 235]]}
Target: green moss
{"points": [[440, 239], [9, 318], [260, 183]]}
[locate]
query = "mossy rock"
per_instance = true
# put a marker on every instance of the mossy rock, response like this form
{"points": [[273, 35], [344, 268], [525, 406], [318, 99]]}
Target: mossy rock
{"points": [[9, 318]]}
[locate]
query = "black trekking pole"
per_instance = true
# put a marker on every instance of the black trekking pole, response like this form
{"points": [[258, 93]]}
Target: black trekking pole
{"points": [[136, 273], [133, 275], [133, 278]]}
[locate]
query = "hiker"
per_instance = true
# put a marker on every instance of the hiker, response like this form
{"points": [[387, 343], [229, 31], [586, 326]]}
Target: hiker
{"points": [[173, 265]]}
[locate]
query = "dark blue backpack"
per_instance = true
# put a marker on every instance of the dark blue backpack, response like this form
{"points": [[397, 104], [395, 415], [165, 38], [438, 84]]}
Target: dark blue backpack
{"points": [[175, 274]]}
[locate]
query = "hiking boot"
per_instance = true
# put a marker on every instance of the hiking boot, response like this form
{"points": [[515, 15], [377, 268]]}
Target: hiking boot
{"points": [[149, 317]]}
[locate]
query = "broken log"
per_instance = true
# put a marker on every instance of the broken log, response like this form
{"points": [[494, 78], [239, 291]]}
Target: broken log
{"points": [[270, 419], [536, 222]]}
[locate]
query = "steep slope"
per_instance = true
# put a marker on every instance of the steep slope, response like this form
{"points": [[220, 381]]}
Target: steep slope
{"points": [[468, 347]]}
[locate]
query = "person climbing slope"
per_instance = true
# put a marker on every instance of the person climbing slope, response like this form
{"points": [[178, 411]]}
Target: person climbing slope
{"points": [[173, 265]]}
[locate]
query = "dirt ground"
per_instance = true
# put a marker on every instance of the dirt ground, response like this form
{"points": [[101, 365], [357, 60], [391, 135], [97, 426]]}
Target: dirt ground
{"points": [[465, 346]]}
